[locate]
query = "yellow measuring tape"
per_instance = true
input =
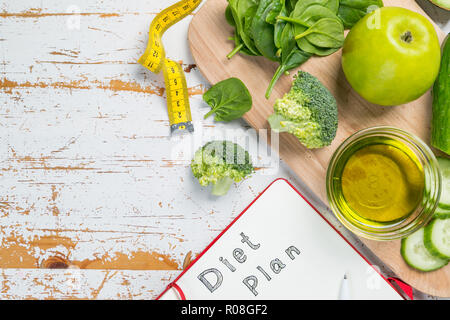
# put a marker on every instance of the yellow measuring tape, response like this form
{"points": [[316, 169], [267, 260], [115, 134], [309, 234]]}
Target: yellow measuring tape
{"points": [[155, 59]]}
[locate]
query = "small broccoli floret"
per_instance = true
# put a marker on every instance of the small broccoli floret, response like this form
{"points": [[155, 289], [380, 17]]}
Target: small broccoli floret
{"points": [[221, 163], [308, 111]]}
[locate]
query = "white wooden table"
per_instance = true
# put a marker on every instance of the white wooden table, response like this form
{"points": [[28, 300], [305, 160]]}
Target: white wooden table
{"points": [[90, 177]]}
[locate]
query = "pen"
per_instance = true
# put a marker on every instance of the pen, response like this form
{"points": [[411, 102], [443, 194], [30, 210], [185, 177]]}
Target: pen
{"points": [[344, 292]]}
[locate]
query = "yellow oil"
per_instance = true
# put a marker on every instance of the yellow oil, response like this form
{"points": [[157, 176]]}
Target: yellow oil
{"points": [[381, 182]]}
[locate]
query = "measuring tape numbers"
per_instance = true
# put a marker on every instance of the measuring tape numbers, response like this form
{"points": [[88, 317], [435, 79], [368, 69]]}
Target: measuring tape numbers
{"points": [[154, 59]]}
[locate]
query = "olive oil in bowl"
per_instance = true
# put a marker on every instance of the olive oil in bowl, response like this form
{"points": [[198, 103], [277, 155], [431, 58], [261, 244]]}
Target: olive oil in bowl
{"points": [[383, 183]]}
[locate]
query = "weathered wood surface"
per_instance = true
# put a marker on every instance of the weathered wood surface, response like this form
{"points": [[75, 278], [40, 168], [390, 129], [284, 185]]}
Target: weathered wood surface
{"points": [[89, 175]]}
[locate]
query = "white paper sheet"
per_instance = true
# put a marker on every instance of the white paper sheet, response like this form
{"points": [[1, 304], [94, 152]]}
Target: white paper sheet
{"points": [[264, 243]]}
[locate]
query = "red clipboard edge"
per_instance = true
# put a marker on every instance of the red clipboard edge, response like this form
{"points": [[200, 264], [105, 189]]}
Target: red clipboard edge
{"points": [[174, 285]]}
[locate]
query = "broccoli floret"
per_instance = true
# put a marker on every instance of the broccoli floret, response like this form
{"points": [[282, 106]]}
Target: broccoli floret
{"points": [[221, 163], [308, 111]]}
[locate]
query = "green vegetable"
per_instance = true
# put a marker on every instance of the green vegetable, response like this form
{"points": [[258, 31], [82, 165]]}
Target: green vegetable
{"points": [[229, 100], [287, 41], [351, 11], [291, 57], [291, 31], [441, 213], [444, 166], [290, 5], [221, 163], [274, 12], [444, 4], [308, 111], [316, 26], [279, 26], [307, 46], [440, 126], [433, 250], [309, 16], [443, 209], [295, 58], [263, 32], [416, 254], [437, 238], [229, 16], [238, 10], [325, 33], [302, 5]]}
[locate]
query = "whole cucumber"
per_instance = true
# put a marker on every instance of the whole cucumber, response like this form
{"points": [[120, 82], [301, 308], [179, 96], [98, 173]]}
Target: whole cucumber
{"points": [[440, 126]]}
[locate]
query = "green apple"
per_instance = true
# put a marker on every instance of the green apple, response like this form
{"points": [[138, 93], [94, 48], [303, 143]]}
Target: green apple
{"points": [[444, 4], [391, 56]]}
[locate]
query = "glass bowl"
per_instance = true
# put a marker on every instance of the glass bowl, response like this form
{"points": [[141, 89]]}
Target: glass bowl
{"points": [[386, 230]]}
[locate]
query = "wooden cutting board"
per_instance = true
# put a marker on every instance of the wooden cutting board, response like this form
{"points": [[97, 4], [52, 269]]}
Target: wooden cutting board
{"points": [[208, 34]]}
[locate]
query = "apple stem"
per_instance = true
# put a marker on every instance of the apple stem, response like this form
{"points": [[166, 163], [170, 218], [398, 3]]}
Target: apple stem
{"points": [[407, 37]]}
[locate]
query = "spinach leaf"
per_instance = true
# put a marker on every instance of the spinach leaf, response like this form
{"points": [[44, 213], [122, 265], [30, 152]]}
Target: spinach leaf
{"points": [[290, 5], [274, 11], [248, 19], [305, 19], [302, 21], [229, 100], [263, 32], [302, 5], [325, 33], [291, 57], [279, 27], [333, 5], [294, 59], [239, 46], [239, 43], [229, 16], [287, 41], [315, 12], [308, 47], [351, 11], [238, 9]]}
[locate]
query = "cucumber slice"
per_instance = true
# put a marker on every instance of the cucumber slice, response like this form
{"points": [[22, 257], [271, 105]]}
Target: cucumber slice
{"points": [[437, 238], [440, 213], [444, 165], [417, 256], [444, 4]]}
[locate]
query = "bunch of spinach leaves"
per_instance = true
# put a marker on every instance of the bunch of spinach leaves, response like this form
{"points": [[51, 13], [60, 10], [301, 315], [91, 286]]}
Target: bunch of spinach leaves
{"points": [[291, 31]]}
